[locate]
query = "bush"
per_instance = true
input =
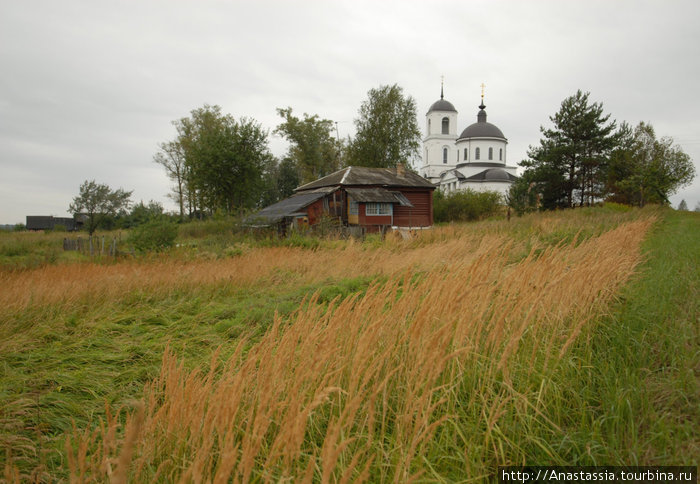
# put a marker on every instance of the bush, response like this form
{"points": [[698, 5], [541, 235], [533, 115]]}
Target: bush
{"points": [[153, 236], [212, 226], [467, 205]]}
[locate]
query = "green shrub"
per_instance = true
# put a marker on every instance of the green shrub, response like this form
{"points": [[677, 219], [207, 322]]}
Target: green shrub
{"points": [[616, 207], [466, 205], [153, 236]]}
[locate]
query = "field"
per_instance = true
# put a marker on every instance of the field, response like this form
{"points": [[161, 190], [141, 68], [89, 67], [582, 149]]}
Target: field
{"points": [[556, 338]]}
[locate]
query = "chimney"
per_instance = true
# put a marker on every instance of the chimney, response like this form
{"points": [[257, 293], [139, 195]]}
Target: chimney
{"points": [[400, 169]]}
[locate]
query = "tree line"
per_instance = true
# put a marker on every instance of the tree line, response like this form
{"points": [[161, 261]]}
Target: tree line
{"points": [[586, 157], [219, 163]]}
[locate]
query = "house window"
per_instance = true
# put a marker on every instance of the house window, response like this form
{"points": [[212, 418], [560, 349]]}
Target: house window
{"points": [[500, 154], [490, 153], [378, 208], [477, 154], [353, 208], [444, 155], [466, 154], [445, 125]]}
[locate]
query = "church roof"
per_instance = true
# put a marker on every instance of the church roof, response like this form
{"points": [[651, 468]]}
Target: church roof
{"points": [[442, 104], [493, 174], [482, 128]]}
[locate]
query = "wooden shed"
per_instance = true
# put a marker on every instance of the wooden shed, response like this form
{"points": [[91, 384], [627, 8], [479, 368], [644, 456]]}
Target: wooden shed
{"points": [[373, 199]]}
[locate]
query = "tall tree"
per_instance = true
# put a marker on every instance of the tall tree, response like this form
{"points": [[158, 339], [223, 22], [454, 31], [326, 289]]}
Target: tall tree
{"points": [[314, 149], [287, 178], [225, 160], [522, 195], [570, 162], [98, 202], [644, 169], [387, 130], [172, 157]]}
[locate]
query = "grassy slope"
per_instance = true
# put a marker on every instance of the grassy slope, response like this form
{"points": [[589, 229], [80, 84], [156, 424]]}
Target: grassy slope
{"points": [[63, 366], [629, 394], [644, 387]]}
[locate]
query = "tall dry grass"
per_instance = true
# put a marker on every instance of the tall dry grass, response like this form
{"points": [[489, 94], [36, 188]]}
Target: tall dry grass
{"points": [[380, 387], [92, 283]]}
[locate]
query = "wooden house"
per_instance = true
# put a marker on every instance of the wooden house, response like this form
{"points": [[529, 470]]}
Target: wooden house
{"points": [[371, 199], [49, 222]]}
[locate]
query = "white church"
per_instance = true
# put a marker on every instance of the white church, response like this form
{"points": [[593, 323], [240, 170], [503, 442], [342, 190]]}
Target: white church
{"points": [[474, 159]]}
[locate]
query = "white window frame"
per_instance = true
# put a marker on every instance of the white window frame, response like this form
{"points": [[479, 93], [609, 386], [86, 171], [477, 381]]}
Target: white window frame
{"points": [[353, 207], [378, 209]]}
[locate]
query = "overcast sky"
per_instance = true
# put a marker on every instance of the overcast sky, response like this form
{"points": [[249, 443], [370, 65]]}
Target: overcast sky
{"points": [[88, 89]]}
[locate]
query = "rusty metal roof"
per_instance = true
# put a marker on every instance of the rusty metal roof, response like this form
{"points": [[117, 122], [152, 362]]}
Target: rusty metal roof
{"points": [[358, 176], [377, 195], [284, 208]]}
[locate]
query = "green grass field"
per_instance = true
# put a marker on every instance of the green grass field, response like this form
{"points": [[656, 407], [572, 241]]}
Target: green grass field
{"points": [[626, 390]]}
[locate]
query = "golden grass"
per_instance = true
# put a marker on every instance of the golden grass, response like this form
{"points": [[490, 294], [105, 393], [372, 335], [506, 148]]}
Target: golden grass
{"points": [[91, 283], [360, 391], [69, 284]]}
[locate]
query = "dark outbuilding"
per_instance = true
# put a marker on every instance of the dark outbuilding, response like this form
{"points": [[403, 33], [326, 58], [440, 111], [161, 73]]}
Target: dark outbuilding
{"points": [[373, 199], [49, 222]]}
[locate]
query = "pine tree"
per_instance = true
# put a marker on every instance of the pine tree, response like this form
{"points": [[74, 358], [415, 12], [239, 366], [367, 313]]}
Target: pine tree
{"points": [[569, 164]]}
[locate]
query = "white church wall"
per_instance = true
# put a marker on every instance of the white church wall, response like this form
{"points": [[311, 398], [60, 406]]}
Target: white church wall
{"points": [[499, 187], [483, 145], [434, 124], [434, 152]]}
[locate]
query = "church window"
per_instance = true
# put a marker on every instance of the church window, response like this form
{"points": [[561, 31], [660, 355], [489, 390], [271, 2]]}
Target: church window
{"points": [[428, 126], [477, 154], [500, 154], [466, 154], [490, 153], [444, 155], [445, 125]]}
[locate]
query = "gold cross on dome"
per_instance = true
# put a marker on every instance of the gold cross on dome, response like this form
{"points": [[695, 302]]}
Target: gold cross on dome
{"points": [[482, 90]]}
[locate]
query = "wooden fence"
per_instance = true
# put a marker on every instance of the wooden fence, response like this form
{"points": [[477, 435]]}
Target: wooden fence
{"points": [[92, 245]]}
